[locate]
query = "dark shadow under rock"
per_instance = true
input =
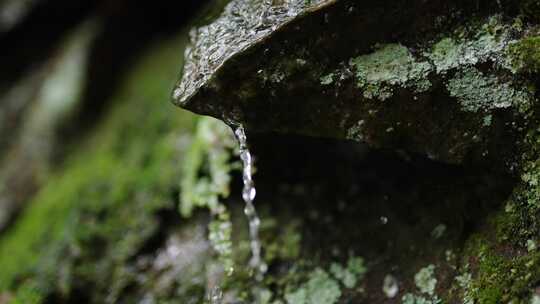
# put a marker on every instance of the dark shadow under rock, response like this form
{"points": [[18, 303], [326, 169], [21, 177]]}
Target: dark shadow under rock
{"points": [[400, 212]]}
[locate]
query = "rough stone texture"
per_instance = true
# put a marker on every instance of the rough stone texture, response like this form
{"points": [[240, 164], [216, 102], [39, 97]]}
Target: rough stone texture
{"points": [[370, 72], [457, 85], [148, 209]]}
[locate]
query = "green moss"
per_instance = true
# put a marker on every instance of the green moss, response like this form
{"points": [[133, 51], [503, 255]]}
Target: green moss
{"points": [[206, 173], [525, 55], [281, 243], [27, 294], [503, 279], [206, 182], [91, 218], [519, 221]]}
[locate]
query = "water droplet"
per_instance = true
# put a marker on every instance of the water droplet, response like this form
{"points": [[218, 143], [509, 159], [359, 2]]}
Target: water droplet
{"points": [[390, 286], [245, 156], [249, 194], [216, 295]]}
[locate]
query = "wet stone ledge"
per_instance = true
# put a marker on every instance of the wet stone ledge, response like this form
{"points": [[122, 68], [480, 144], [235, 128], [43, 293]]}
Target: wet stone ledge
{"points": [[444, 85]]}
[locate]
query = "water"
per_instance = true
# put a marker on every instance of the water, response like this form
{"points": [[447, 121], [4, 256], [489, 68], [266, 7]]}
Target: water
{"points": [[248, 195], [216, 296]]}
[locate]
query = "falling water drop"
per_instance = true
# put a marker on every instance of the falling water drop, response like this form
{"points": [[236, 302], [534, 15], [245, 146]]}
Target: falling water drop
{"points": [[216, 296], [390, 286], [248, 195]]}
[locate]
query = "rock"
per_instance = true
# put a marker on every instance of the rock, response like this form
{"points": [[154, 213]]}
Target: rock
{"points": [[442, 85], [337, 219]]}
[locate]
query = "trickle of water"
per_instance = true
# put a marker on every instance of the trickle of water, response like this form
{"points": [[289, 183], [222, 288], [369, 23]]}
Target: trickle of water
{"points": [[248, 195], [216, 296]]}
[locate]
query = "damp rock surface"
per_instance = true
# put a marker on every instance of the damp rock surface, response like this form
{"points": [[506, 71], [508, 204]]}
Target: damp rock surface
{"points": [[444, 85], [149, 209]]}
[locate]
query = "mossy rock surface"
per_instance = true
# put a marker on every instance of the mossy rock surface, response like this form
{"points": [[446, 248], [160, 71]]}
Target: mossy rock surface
{"points": [[100, 221], [442, 85], [341, 222], [457, 85]]}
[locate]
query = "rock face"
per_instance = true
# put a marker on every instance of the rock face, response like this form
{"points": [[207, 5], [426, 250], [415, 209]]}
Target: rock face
{"points": [[148, 207], [443, 85]]}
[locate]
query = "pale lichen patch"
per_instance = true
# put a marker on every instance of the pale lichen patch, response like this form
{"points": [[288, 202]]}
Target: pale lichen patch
{"points": [[391, 65], [425, 280], [319, 289], [323, 287], [476, 91], [488, 43]]}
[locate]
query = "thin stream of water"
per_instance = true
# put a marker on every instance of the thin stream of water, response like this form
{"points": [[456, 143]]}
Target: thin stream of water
{"points": [[248, 195]]}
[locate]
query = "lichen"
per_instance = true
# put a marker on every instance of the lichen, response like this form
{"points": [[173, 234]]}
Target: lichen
{"points": [[410, 298], [352, 274], [327, 79], [425, 280], [391, 65], [487, 43], [438, 231], [465, 281], [445, 55], [319, 289], [324, 286], [476, 91]]}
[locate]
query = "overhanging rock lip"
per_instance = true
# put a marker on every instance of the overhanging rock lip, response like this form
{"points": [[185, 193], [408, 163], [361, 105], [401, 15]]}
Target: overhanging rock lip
{"points": [[186, 90]]}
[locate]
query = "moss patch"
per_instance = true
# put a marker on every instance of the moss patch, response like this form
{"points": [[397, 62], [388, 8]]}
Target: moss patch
{"points": [[525, 55], [91, 218]]}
